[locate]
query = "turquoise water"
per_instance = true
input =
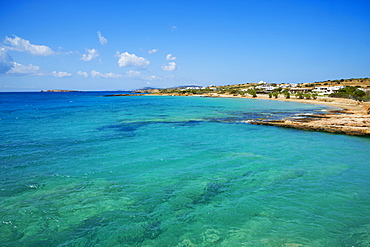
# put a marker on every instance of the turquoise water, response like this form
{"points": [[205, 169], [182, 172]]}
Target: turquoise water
{"points": [[78, 169]]}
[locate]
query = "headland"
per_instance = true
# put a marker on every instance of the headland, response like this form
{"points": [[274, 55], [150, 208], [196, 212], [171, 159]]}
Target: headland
{"points": [[348, 115]]}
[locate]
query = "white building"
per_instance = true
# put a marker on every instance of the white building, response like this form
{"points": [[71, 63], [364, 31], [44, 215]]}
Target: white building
{"points": [[327, 90], [195, 87], [298, 89], [293, 84], [266, 87]]}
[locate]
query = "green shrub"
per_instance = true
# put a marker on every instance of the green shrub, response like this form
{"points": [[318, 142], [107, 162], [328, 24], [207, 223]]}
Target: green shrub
{"points": [[299, 95], [252, 92], [349, 92]]}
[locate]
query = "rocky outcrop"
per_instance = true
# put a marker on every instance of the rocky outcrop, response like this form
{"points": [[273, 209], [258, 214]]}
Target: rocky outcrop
{"points": [[345, 123]]}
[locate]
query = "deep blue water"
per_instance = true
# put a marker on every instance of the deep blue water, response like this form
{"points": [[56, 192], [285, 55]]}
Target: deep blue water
{"points": [[79, 169]]}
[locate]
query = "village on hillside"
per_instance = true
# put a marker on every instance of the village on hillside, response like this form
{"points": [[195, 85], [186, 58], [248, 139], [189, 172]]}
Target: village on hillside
{"points": [[357, 89]]}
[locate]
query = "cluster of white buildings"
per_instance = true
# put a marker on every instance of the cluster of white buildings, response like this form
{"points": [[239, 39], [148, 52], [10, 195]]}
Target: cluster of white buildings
{"points": [[292, 87], [326, 90]]}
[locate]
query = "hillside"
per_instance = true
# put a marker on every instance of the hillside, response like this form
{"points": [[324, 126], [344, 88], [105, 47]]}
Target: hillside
{"points": [[360, 82]]}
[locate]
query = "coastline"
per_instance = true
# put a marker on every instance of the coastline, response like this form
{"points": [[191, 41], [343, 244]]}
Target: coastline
{"points": [[351, 117]]}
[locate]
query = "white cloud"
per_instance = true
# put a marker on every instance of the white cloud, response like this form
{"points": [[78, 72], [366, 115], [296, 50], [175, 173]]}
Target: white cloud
{"points": [[152, 51], [60, 74], [170, 67], [95, 73], [170, 57], [90, 56], [173, 28], [20, 69], [6, 61], [133, 74], [137, 75], [131, 60], [153, 77], [102, 40], [20, 44], [82, 73]]}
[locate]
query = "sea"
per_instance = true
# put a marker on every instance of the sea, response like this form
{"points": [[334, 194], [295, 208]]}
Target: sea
{"points": [[81, 169]]}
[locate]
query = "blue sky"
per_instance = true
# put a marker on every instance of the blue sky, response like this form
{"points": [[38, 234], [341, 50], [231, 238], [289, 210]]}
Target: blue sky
{"points": [[123, 45]]}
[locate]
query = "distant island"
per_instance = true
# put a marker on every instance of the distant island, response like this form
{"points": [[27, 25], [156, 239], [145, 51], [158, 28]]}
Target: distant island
{"points": [[59, 91]]}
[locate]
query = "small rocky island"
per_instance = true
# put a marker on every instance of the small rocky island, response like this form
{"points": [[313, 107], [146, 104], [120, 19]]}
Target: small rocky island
{"points": [[59, 91]]}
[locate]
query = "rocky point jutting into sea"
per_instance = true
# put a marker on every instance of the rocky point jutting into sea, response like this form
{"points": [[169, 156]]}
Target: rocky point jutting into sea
{"points": [[351, 117]]}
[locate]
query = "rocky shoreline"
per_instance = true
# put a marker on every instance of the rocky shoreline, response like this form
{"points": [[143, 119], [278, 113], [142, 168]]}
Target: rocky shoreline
{"points": [[352, 119], [344, 123]]}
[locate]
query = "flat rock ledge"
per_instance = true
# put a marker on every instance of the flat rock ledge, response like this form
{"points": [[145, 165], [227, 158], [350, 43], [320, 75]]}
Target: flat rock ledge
{"points": [[344, 123]]}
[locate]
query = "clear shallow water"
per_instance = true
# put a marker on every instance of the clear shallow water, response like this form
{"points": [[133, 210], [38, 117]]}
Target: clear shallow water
{"points": [[78, 169]]}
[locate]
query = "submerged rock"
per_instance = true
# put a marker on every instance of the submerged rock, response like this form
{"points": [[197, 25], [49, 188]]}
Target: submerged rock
{"points": [[211, 236], [211, 190]]}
